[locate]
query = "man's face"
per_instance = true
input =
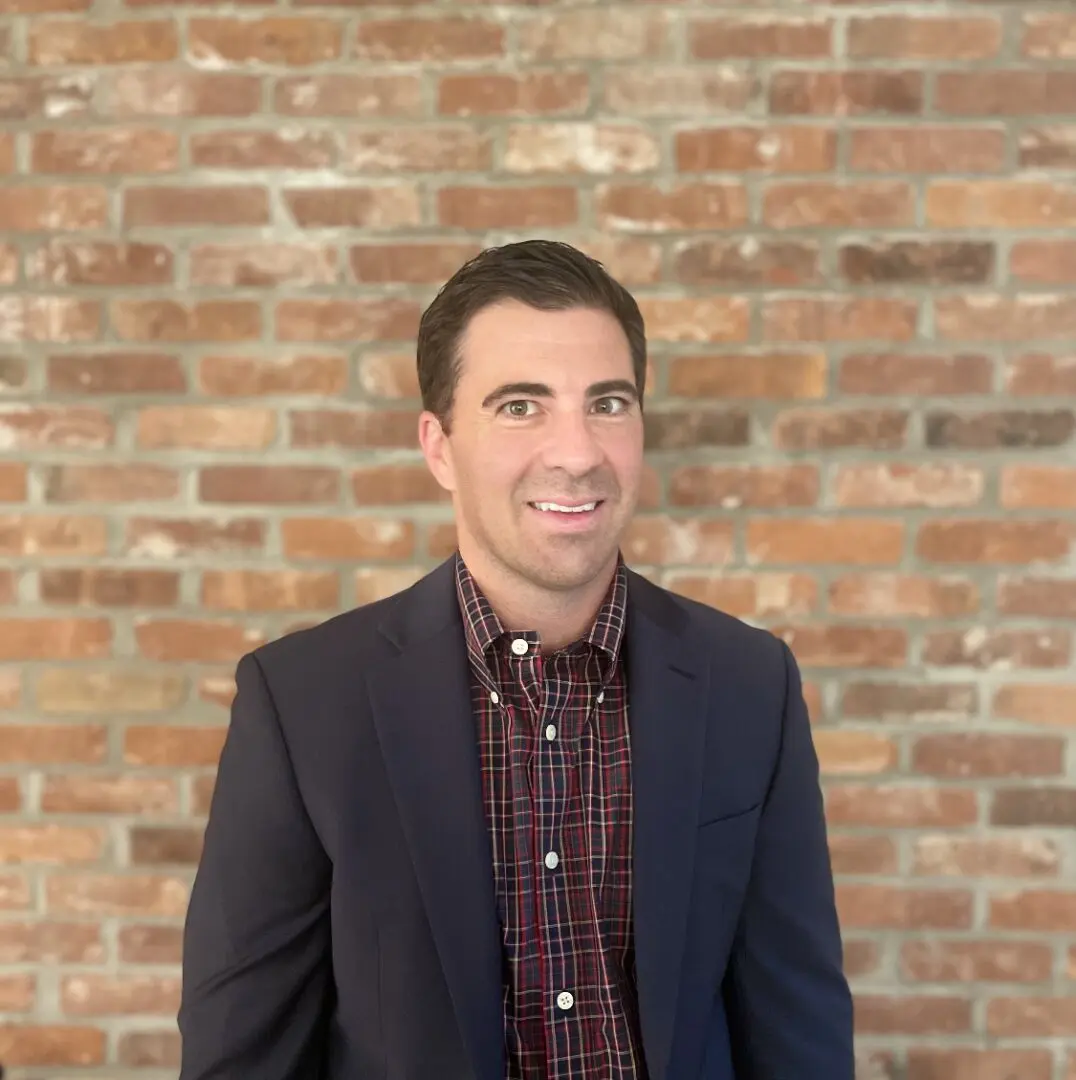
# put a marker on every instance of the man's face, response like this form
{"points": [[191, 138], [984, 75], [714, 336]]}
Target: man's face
{"points": [[545, 449]]}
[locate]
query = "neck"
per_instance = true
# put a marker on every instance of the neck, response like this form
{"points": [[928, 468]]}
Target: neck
{"points": [[559, 617]]}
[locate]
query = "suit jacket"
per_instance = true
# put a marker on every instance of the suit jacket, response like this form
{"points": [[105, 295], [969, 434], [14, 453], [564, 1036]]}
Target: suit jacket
{"points": [[342, 924]]}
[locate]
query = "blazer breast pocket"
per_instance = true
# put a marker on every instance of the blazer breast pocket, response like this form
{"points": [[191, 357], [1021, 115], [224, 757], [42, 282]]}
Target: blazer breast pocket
{"points": [[724, 847]]}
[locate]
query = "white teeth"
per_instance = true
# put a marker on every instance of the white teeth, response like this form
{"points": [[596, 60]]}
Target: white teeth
{"points": [[558, 508]]}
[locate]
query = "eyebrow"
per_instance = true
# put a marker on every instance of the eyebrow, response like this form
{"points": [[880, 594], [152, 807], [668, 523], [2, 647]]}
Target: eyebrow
{"points": [[540, 390]]}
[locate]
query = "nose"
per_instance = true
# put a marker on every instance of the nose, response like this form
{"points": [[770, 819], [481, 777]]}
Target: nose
{"points": [[572, 445]]}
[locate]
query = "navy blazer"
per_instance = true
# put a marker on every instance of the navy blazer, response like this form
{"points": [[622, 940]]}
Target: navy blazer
{"points": [[342, 924]]}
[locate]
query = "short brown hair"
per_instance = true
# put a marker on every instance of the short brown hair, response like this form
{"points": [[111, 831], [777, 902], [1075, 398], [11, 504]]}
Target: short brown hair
{"points": [[548, 275]]}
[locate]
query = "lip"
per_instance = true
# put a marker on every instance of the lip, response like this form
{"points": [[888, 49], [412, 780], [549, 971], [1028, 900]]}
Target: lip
{"points": [[573, 522]]}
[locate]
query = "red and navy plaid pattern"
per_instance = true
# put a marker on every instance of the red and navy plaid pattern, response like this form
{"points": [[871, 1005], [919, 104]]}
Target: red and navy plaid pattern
{"points": [[556, 778]]}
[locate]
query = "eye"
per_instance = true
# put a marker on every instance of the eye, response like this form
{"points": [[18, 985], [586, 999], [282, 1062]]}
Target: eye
{"points": [[518, 409], [611, 406]]}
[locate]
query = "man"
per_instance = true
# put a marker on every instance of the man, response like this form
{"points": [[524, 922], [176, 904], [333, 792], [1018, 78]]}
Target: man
{"points": [[533, 818]]}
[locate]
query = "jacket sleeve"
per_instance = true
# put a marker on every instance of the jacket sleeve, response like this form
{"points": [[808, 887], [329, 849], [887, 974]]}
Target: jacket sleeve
{"points": [[788, 1002], [256, 961]]}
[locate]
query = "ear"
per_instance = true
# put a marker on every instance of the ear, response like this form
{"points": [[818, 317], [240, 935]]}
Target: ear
{"points": [[437, 450]]}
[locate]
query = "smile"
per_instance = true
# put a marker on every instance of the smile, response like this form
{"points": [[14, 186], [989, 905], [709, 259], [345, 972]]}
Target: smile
{"points": [[564, 508]]}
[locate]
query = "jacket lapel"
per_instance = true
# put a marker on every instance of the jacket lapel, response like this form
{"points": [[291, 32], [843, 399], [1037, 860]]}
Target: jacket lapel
{"points": [[422, 710], [668, 684]]}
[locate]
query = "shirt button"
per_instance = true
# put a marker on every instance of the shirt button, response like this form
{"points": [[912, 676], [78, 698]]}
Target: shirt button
{"points": [[601, 696], [552, 860], [519, 646], [494, 697], [565, 1000], [550, 732]]}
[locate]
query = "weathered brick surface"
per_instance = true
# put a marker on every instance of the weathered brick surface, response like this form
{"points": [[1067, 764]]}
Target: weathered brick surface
{"points": [[852, 229]]}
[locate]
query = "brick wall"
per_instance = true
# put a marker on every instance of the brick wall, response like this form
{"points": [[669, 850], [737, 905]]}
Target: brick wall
{"points": [[853, 231]]}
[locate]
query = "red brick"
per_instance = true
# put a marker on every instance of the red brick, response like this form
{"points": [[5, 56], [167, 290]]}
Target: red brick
{"points": [[1050, 146], [1035, 704], [205, 428], [992, 204], [932, 1063], [683, 428], [195, 640], [1043, 262], [178, 537], [1037, 596], [1022, 855], [927, 149], [527, 94], [917, 374], [45, 743], [772, 148], [101, 262], [876, 204], [896, 596], [659, 91], [155, 895], [13, 476], [904, 806], [927, 1014], [1037, 1017], [178, 745], [671, 207], [918, 262], [159, 846], [387, 207], [659, 541], [110, 483], [118, 995], [732, 487], [822, 541], [108, 690], [861, 958], [346, 320], [52, 1046], [844, 645], [338, 539], [887, 907], [993, 542], [595, 34], [50, 943], [384, 485], [257, 376], [186, 207], [268, 40], [1041, 374], [579, 148], [907, 485], [976, 961], [107, 587], [73, 427], [116, 373], [507, 207], [199, 320], [854, 853], [817, 429], [765, 36], [440, 148], [362, 95], [57, 319], [51, 844], [80, 42], [839, 318], [749, 595], [54, 639], [846, 93], [119, 794], [777, 375], [142, 92], [47, 535], [853, 753], [1041, 487], [409, 264], [1005, 428], [437, 40], [55, 206], [281, 149], [271, 484], [150, 944], [391, 375], [924, 38], [376, 584], [1049, 35], [150, 1049], [1004, 92], [980, 755], [748, 263], [269, 590], [105, 150], [1001, 648]]}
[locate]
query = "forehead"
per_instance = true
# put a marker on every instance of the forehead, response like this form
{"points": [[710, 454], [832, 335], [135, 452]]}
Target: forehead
{"points": [[512, 340]]}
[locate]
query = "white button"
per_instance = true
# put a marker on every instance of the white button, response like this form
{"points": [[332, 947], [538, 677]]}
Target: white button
{"points": [[552, 860], [601, 696], [551, 733], [494, 697], [519, 646], [565, 1000]]}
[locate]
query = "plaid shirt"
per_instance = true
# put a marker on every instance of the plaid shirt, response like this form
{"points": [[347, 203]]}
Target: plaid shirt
{"points": [[556, 783]]}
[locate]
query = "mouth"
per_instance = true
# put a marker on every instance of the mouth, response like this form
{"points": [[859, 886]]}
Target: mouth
{"points": [[568, 515]]}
